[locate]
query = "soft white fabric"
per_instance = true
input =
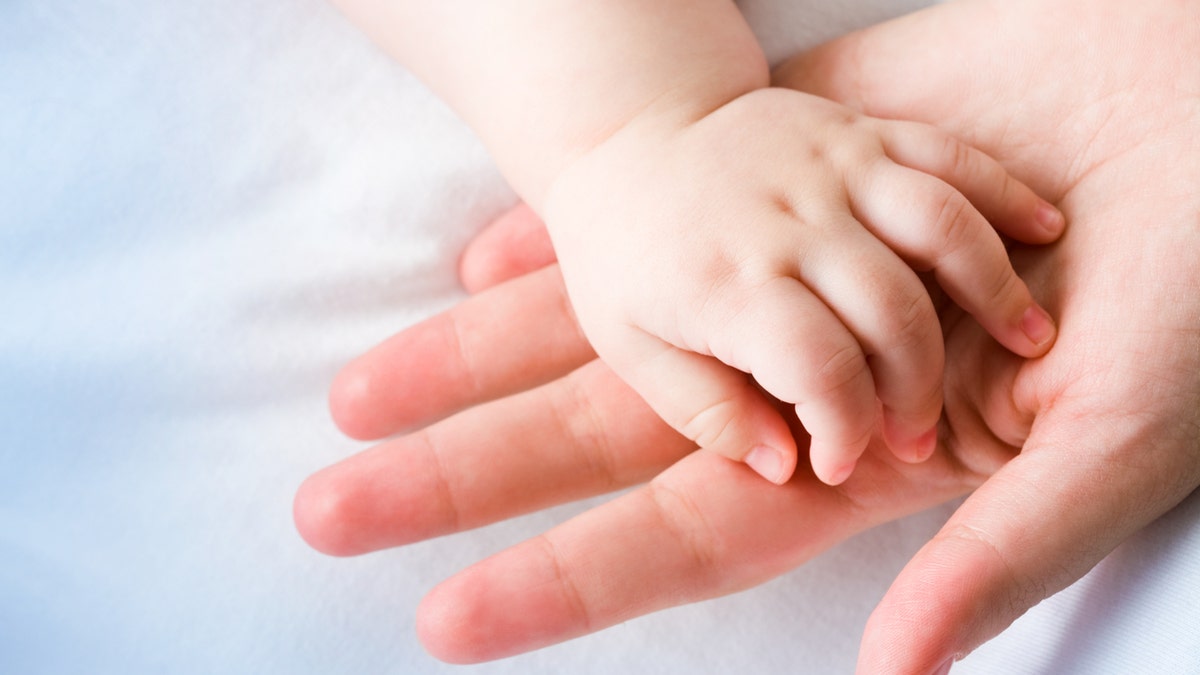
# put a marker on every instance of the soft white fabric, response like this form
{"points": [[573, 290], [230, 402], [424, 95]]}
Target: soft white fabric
{"points": [[206, 208]]}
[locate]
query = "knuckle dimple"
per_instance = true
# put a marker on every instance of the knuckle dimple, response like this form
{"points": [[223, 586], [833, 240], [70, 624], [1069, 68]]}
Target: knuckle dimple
{"points": [[847, 118]]}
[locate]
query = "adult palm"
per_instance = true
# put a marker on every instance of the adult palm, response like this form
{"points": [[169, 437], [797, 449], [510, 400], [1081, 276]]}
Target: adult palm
{"points": [[1066, 456]]}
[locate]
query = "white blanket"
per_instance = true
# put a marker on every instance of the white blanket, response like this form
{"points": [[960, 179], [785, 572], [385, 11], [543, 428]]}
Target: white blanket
{"points": [[205, 209]]}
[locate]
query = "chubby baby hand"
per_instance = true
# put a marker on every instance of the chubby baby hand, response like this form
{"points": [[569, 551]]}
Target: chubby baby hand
{"points": [[773, 247]]}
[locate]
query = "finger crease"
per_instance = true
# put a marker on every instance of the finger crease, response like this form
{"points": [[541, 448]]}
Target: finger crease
{"points": [[598, 449], [464, 356], [701, 438], [445, 493], [953, 220], [570, 590], [1028, 591], [674, 509]]}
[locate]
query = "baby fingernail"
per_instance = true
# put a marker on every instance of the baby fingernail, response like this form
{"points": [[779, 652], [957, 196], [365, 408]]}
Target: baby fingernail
{"points": [[925, 444], [767, 462], [907, 447], [944, 668], [840, 474], [1050, 218], [1037, 325]]}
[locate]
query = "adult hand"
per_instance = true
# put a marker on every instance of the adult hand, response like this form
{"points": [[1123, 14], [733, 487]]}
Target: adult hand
{"points": [[1109, 421], [1107, 424], [704, 526]]}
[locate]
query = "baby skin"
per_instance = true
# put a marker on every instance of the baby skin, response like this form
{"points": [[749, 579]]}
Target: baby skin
{"points": [[724, 242]]}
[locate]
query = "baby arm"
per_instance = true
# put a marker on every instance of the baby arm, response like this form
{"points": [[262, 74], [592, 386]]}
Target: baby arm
{"points": [[709, 226]]}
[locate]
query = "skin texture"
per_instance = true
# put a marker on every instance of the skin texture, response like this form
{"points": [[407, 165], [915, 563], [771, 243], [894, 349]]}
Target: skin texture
{"points": [[1066, 455], [724, 242]]}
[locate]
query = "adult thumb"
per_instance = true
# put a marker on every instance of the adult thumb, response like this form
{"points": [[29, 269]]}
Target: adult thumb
{"points": [[1076, 491]]}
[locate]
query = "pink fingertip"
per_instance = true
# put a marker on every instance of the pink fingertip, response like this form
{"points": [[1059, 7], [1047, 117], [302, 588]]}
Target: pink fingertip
{"points": [[1049, 218], [925, 445], [768, 463], [912, 449], [840, 474]]}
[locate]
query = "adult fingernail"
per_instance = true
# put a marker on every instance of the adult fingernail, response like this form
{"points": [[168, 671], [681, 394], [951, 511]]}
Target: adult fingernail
{"points": [[1037, 326], [767, 462], [1050, 218], [944, 668]]}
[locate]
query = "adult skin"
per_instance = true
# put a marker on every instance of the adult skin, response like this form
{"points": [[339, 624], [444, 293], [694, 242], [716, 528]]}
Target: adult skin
{"points": [[1067, 455]]}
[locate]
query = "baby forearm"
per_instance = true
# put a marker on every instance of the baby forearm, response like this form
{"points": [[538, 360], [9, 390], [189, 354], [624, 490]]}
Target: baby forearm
{"points": [[544, 81]]}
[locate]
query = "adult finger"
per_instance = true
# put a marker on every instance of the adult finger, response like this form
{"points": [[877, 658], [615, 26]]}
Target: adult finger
{"points": [[508, 339], [514, 244], [704, 528], [1040, 523], [582, 435], [933, 226]]}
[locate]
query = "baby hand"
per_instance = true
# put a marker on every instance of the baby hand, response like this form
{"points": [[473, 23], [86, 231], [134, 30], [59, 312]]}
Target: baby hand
{"points": [[781, 236]]}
